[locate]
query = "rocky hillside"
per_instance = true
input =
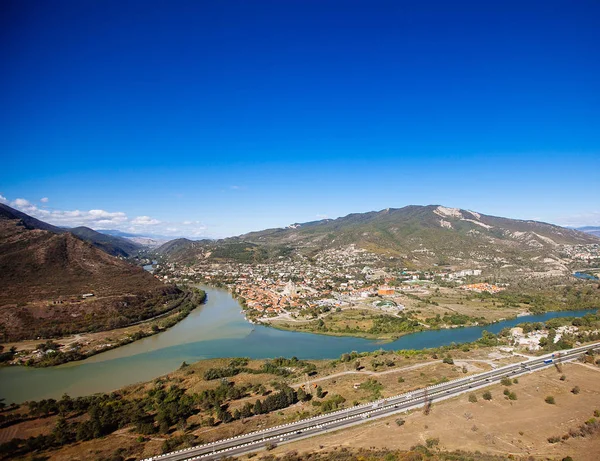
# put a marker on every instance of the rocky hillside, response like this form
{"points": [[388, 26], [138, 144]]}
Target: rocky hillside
{"points": [[44, 275], [420, 235]]}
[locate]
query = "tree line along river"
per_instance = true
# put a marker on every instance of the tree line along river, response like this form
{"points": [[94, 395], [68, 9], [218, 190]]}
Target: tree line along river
{"points": [[216, 329]]}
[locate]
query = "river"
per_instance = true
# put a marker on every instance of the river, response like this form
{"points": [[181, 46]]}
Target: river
{"points": [[216, 329]]}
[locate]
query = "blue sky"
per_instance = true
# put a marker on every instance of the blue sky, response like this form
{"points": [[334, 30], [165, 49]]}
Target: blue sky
{"points": [[216, 118]]}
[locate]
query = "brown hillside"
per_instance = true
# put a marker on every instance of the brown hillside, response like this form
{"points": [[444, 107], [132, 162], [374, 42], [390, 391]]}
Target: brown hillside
{"points": [[43, 276]]}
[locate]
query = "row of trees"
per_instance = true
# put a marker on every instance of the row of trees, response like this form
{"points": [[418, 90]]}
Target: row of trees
{"points": [[157, 411]]}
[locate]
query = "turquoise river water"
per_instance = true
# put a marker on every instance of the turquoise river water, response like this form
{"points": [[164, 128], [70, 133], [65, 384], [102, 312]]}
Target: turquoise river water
{"points": [[216, 329]]}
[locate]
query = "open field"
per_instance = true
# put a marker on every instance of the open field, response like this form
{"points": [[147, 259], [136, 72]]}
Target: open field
{"points": [[501, 426]]}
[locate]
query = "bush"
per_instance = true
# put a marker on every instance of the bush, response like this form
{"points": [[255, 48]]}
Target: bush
{"points": [[554, 439], [563, 377], [487, 395], [506, 381], [320, 393], [472, 398], [432, 442], [400, 422], [550, 400], [448, 360], [373, 386], [575, 390]]}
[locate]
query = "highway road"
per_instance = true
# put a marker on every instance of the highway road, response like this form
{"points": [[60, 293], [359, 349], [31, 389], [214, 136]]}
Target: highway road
{"points": [[310, 427]]}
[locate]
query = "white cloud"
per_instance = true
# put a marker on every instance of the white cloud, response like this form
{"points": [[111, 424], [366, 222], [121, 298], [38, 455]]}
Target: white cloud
{"points": [[96, 219], [145, 221], [44, 200], [21, 202], [103, 220], [24, 205]]}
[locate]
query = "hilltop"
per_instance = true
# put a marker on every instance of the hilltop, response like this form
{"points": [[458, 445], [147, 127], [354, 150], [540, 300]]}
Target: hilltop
{"points": [[45, 274], [420, 236]]}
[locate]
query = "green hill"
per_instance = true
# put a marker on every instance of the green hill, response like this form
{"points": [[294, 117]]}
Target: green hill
{"points": [[420, 235]]}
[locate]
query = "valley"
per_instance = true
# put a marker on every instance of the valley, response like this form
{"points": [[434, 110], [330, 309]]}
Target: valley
{"points": [[298, 279]]}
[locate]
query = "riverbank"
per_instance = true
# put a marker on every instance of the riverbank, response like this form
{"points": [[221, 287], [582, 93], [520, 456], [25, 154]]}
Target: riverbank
{"points": [[211, 408], [281, 325], [409, 327], [434, 308], [218, 329], [57, 351]]}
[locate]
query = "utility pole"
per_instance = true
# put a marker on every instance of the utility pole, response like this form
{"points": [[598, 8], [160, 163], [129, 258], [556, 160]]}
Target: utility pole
{"points": [[309, 390]]}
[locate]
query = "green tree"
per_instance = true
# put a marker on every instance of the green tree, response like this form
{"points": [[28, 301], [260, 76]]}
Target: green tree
{"points": [[258, 409]]}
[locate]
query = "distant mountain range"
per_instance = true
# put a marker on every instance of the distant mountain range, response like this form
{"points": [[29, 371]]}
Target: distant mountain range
{"points": [[594, 230], [147, 235], [419, 235], [45, 271]]}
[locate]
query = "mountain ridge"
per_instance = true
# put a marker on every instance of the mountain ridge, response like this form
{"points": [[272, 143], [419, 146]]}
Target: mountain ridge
{"points": [[422, 235]]}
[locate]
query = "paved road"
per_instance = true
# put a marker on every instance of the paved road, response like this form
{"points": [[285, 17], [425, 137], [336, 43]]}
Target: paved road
{"points": [[286, 433]]}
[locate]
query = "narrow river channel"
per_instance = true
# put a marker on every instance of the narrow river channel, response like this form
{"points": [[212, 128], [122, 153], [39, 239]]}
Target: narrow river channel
{"points": [[216, 329]]}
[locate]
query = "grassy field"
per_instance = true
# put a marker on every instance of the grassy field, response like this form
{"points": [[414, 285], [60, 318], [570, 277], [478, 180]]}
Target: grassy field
{"points": [[423, 309]]}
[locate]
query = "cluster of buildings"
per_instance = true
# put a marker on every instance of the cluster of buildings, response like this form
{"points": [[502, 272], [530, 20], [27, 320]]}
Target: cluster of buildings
{"points": [[587, 253], [481, 287], [301, 286], [531, 340]]}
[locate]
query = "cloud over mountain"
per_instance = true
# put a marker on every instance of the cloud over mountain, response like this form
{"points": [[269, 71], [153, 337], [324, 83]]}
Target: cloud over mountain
{"points": [[105, 220]]}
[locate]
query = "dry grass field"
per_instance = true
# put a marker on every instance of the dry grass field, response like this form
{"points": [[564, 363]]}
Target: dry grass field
{"points": [[500, 426]]}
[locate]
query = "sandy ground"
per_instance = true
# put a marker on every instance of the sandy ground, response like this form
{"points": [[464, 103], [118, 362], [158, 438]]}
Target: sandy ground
{"points": [[499, 426]]}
